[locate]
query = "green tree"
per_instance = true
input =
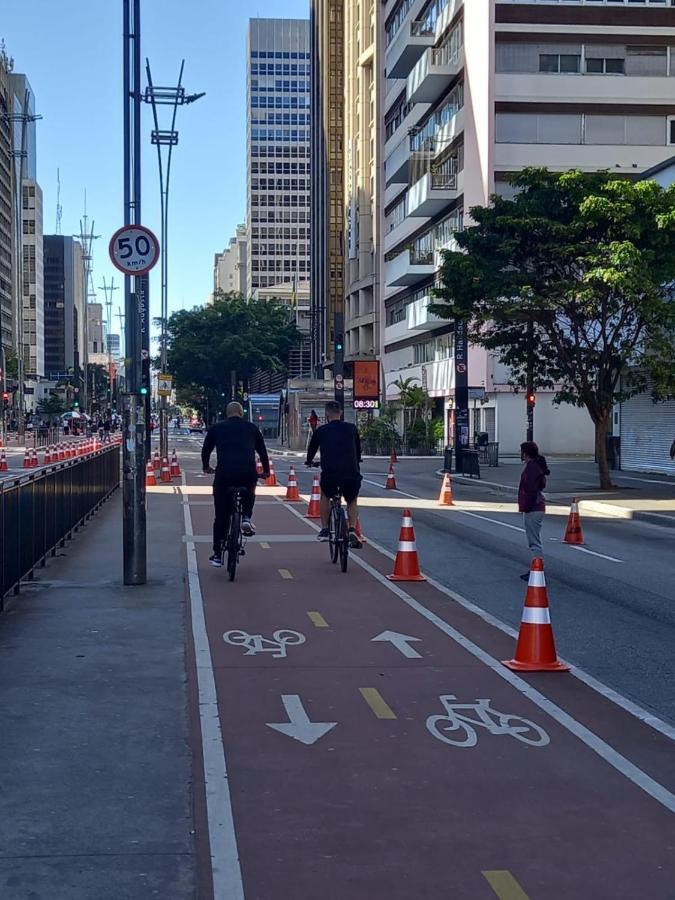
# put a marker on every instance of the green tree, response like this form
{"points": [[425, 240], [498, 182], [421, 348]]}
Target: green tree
{"points": [[51, 406], [584, 263], [233, 338]]}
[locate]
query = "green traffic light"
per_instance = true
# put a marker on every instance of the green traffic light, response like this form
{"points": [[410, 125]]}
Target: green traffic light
{"points": [[144, 392]]}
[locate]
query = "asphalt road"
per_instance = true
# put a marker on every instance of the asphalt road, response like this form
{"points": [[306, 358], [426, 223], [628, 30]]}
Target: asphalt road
{"points": [[612, 603]]}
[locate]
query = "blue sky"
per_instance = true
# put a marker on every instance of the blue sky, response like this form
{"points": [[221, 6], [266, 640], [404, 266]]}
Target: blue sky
{"points": [[71, 52]]}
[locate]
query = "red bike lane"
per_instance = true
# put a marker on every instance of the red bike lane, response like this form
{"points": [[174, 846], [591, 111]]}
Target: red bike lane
{"points": [[354, 776]]}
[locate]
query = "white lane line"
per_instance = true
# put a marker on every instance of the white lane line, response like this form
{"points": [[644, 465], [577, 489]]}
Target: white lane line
{"points": [[593, 553], [611, 756], [395, 491], [225, 866], [634, 709], [473, 515], [646, 480]]}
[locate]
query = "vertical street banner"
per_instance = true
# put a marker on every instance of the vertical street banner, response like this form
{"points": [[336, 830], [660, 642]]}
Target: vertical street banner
{"points": [[461, 390], [366, 384]]}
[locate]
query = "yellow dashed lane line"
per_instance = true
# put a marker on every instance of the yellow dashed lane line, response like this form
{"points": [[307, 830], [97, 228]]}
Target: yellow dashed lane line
{"points": [[505, 885], [377, 703], [317, 620], [285, 574]]}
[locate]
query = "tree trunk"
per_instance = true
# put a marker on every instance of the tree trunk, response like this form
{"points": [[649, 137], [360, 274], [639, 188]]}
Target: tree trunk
{"points": [[601, 429]]}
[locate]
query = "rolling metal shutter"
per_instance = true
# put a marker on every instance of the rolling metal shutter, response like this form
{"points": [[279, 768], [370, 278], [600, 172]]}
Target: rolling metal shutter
{"points": [[647, 432]]}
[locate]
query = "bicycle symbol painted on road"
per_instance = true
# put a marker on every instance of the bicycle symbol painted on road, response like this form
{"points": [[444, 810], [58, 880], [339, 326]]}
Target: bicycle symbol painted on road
{"points": [[458, 729], [256, 643]]}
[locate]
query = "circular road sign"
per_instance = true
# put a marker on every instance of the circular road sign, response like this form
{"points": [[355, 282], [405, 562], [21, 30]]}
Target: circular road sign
{"points": [[134, 249]]}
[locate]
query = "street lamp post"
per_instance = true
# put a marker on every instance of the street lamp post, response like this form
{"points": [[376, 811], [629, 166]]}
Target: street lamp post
{"points": [[172, 97]]}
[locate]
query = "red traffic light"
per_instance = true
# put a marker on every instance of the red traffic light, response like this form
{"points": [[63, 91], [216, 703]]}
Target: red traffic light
{"points": [[5, 395], [531, 399]]}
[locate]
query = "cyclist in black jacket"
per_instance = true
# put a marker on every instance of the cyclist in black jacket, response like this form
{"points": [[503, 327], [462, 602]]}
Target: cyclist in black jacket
{"points": [[236, 442], [340, 447]]}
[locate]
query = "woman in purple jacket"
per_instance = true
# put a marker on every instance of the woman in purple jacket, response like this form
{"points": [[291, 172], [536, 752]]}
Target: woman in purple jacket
{"points": [[531, 499]]}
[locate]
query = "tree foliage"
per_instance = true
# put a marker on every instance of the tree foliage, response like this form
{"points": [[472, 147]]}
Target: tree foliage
{"points": [[51, 406], [232, 338], [585, 263]]}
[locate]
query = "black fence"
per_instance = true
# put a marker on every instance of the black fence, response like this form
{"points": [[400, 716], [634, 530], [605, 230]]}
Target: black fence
{"points": [[40, 511], [403, 447]]}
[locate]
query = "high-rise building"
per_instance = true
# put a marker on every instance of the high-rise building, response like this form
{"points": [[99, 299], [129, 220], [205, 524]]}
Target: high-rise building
{"points": [[230, 266], [114, 347], [30, 198], [278, 176], [362, 148], [98, 351], [7, 336], [327, 293], [474, 92], [63, 293]]}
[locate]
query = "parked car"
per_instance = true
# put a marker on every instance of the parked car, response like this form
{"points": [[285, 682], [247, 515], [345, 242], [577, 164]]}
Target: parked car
{"points": [[196, 426]]}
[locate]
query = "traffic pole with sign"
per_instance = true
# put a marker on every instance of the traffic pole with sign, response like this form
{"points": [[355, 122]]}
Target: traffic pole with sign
{"points": [[461, 391]]}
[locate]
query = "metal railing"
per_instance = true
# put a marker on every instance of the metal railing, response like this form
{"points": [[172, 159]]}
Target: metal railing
{"points": [[406, 446], [41, 510]]}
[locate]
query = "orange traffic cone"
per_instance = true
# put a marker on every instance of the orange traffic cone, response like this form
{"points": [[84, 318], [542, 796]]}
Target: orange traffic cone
{"points": [[535, 651], [62, 452], [3, 462], [573, 532], [292, 492], [48, 455], [150, 480], [156, 461], [175, 468], [258, 466], [271, 481], [391, 479], [393, 458], [445, 498], [165, 471], [26, 459], [33, 458], [407, 565], [314, 508]]}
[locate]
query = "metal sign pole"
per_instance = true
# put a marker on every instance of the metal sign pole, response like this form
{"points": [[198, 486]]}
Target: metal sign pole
{"points": [[461, 392], [133, 451]]}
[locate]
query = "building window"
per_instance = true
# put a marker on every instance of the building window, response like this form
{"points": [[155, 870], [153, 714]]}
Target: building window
{"points": [[560, 63], [603, 65]]}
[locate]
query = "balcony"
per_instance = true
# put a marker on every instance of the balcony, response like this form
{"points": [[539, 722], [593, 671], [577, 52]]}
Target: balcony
{"points": [[432, 74], [412, 40], [396, 166], [397, 332], [419, 317], [435, 190], [577, 88], [408, 268]]}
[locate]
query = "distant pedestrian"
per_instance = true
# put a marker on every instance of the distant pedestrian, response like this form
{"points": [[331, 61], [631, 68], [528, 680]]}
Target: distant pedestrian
{"points": [[313, 421], [531, 498], [107, 427]]}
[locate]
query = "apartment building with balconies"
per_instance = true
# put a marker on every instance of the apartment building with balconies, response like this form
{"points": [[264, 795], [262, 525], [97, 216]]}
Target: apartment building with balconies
{"points": [[476, 90]]}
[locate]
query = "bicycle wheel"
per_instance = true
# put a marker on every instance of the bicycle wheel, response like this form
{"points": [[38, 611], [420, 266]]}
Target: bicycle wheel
{"points": [[435, 723], [233, 541], [334, 532], [525, 731], [344, 540]]}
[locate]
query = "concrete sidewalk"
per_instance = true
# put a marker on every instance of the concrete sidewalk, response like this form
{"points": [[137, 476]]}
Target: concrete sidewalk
{"points": [[96, 767]]}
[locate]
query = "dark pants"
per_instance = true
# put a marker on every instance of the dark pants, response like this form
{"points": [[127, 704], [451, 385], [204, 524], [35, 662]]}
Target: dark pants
{"points": [[223, 500]]}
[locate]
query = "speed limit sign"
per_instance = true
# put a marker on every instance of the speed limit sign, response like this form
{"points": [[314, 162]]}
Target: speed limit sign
{"points": [[134, 249]]}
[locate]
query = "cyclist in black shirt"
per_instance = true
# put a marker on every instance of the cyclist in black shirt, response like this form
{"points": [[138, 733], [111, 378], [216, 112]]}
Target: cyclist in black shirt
{"points": [[236, 442], [340, 448]]}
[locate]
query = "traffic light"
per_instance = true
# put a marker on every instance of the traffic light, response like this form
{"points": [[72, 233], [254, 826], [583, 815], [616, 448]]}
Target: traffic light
{"points": [[531, 399], [76, 404], [339, 343], [144, 392], [5, 399]]}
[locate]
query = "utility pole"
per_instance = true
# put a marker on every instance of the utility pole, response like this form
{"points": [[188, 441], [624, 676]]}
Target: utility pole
{"points": [[531, 396], [86, 238], [461, 391], [133, 452], [167, 139], [19, 155]]}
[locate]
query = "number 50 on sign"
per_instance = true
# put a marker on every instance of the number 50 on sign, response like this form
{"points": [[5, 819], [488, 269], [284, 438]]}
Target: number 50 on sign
{"points": [[134, 250]]}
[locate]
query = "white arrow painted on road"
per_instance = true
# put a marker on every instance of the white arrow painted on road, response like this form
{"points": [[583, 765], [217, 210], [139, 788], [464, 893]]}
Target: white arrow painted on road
{"points": [[400, 641], [299, 726]]}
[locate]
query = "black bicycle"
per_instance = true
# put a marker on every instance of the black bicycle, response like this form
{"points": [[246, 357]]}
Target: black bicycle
{"points": [[338, 530], [234, 545]]}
